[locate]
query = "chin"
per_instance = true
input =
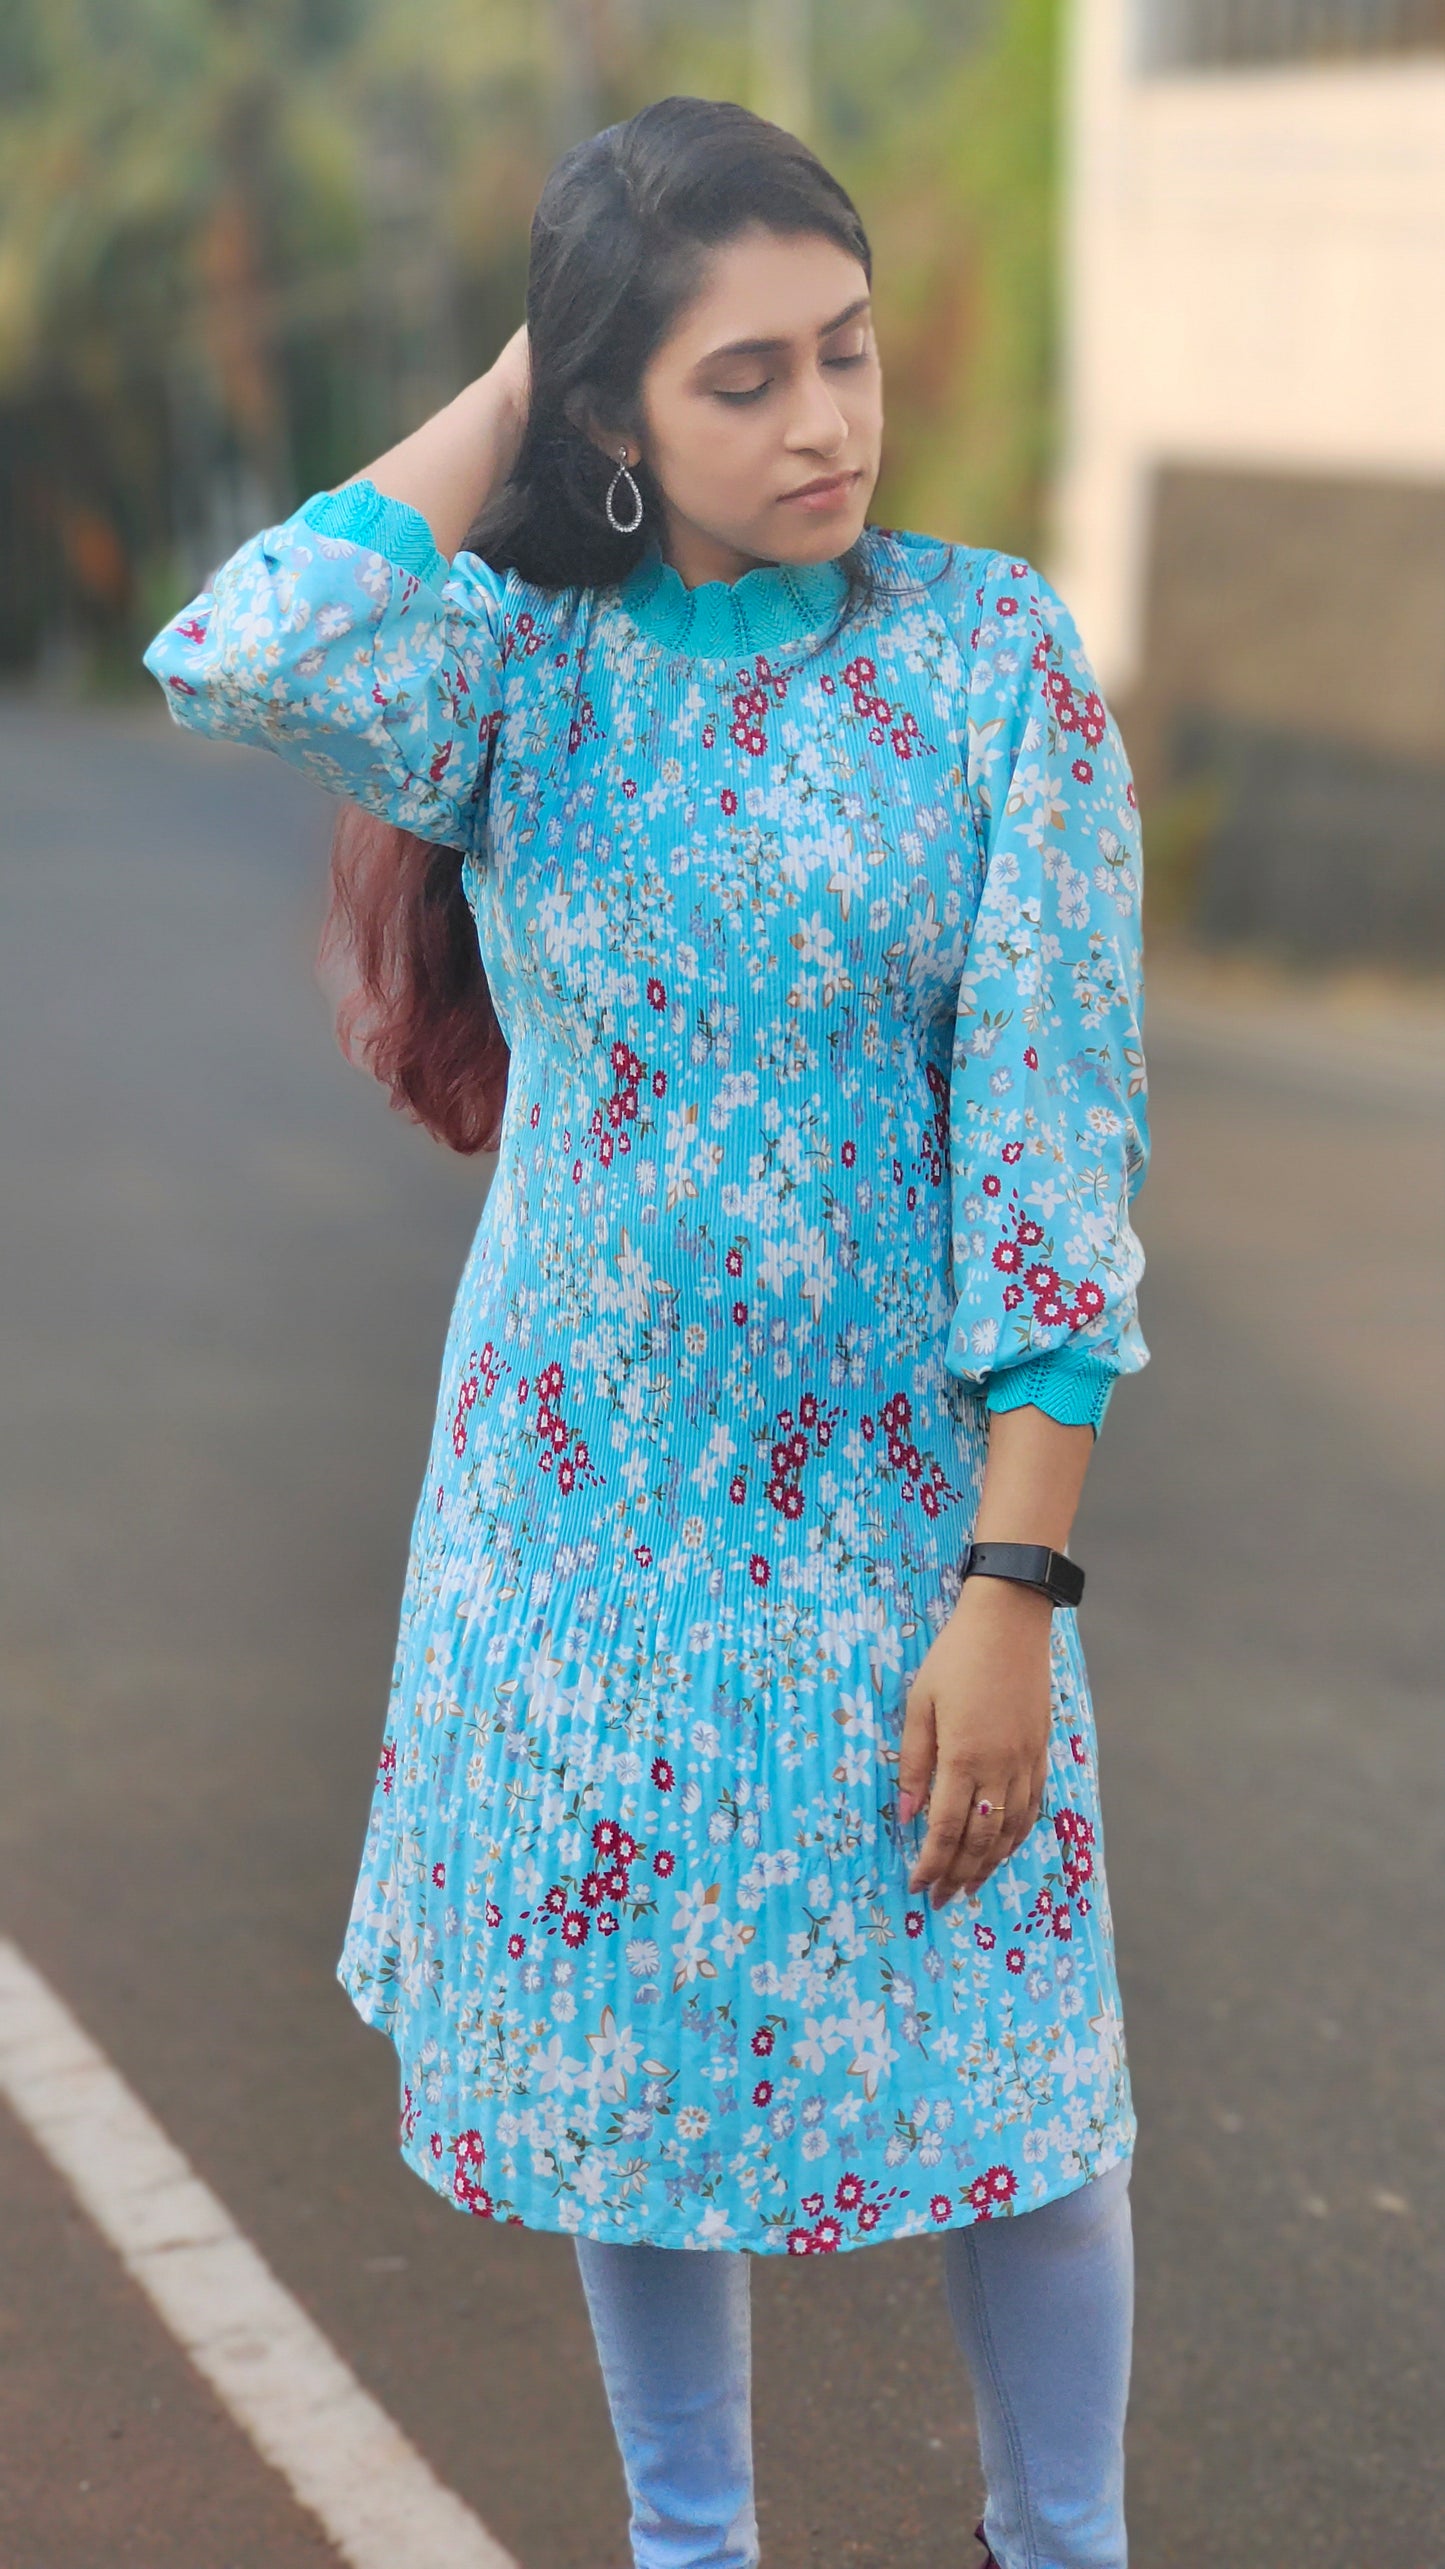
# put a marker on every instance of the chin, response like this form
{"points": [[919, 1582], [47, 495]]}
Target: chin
{"points": [[828, 538]]}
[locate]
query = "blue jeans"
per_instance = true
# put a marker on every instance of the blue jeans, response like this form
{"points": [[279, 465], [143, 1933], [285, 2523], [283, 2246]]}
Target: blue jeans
{"points": [[1042, 2307]]}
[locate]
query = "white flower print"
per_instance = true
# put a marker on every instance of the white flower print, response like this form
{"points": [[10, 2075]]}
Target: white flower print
{"points": [[825, 1104]]}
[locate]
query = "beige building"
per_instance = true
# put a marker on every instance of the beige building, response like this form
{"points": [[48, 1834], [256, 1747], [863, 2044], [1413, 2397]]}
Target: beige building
{"points": [[1251, 509]]}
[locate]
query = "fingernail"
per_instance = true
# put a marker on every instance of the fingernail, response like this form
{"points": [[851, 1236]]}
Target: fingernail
{"points": [[907, 1805]]}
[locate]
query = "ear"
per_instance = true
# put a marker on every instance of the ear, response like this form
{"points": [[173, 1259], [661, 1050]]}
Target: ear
{"points": [[608, 441]]}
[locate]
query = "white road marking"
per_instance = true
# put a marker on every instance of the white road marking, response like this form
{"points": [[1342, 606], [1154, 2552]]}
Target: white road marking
{"points": [[379, 2501]]}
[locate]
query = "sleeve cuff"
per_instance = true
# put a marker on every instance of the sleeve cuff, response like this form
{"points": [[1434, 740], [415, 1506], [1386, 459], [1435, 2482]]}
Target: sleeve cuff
{"points": [[1074, 1389], [361, 514]]}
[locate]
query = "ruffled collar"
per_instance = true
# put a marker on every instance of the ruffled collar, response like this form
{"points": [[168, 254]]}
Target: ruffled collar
{"points": [[769, 608]]}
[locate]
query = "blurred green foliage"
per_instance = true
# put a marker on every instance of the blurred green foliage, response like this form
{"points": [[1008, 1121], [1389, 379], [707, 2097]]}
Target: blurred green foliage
{"points": [[246, 243]]}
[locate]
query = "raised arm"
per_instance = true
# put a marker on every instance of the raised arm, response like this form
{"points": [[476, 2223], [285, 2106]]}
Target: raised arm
{"points": [[450, 466], [347, 639]]}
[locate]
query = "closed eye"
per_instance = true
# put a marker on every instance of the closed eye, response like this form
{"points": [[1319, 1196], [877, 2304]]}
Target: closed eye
{"points": [[755, 392]]}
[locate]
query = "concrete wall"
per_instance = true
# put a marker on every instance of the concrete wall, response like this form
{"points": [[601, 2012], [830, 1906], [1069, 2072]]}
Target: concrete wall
{"points": [[1250, 514], [1254, 277]]}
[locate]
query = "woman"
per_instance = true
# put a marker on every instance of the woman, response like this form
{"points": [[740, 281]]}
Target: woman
{"points": [[764, 885]]}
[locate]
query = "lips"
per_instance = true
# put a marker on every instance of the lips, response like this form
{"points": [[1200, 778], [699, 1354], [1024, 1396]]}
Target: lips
{"points": [[830, 485]]}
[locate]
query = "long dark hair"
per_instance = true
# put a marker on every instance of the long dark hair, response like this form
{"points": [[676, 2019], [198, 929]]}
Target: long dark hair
{"points": [[620, 236]]}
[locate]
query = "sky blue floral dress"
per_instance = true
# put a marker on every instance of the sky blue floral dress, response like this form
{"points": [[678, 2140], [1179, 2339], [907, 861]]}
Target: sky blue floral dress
{"points": [[819, 960]]}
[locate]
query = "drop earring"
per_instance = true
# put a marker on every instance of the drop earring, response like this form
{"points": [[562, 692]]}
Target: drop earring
{"points": [[631, 525]]}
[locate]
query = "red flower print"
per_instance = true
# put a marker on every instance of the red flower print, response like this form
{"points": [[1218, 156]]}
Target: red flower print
{"points": [[1014, 1958], [493, 1914], [758, 1570], [1030, 1233], [763, 2040], [470, 2148], [1083, 771], [1008, 1257], [1031, 1057], [728, 800], [985, 1937], [555, 1901], [594, 1889], [387, 1768], [800, 2243], [553, 1434], [1042, 1279], [1013, 1151], [827, 2234], [763, 2092], [940, 2207], [1007, 605], [869, 2215], [437, 2146], [605, 1834], [516, 1946], [656, 995], [664, 1863], [1012, 1297], [992, 1185], [812, 2204], [1089, 1296], [1002, 2184], [848, 2192], [439, 1876], [913, 1921], [575, 1927]]}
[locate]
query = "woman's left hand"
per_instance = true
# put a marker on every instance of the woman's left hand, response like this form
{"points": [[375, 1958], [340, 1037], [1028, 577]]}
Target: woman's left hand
{"points": [[979, 1711]]}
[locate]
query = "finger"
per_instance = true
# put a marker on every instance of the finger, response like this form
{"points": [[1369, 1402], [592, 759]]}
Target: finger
{"points": [[917, 1754], [989, 1837], [947, 1816], [1022, 1814]]}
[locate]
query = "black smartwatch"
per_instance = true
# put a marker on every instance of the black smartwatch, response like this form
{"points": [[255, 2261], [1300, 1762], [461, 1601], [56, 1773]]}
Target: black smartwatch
{"points": [[1033, 1565]]}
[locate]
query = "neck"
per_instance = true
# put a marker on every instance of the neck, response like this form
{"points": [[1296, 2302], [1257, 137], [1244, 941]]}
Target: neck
{"points": [[697, 556]]}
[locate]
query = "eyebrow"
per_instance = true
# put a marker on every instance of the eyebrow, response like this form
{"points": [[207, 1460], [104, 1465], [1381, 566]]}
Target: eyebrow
{"points": [[770, 347]]}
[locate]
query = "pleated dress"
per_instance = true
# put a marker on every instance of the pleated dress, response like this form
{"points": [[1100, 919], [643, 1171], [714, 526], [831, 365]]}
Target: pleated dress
{"points": [[817, 949]]}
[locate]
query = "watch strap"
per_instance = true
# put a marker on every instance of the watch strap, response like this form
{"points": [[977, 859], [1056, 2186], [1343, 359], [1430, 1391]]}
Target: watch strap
{"points": [[1033, 1565]]}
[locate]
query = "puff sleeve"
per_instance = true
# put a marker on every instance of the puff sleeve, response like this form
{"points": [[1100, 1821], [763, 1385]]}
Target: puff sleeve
{"points": [[345, 641], [1048, 1120]]}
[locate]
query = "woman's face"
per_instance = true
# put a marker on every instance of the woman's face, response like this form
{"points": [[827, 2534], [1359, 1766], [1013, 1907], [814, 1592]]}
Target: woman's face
{"points": [[767, 386]]}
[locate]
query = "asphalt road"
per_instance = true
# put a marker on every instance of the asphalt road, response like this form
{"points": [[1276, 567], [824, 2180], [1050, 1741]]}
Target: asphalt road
{"points": [[226, 1274]]}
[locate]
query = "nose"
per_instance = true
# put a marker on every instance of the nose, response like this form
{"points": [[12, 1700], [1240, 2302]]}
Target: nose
{"points": [[817, 426]]}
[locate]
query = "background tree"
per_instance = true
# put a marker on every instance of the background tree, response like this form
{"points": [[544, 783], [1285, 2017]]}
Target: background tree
{"points": [[244, 243]]}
